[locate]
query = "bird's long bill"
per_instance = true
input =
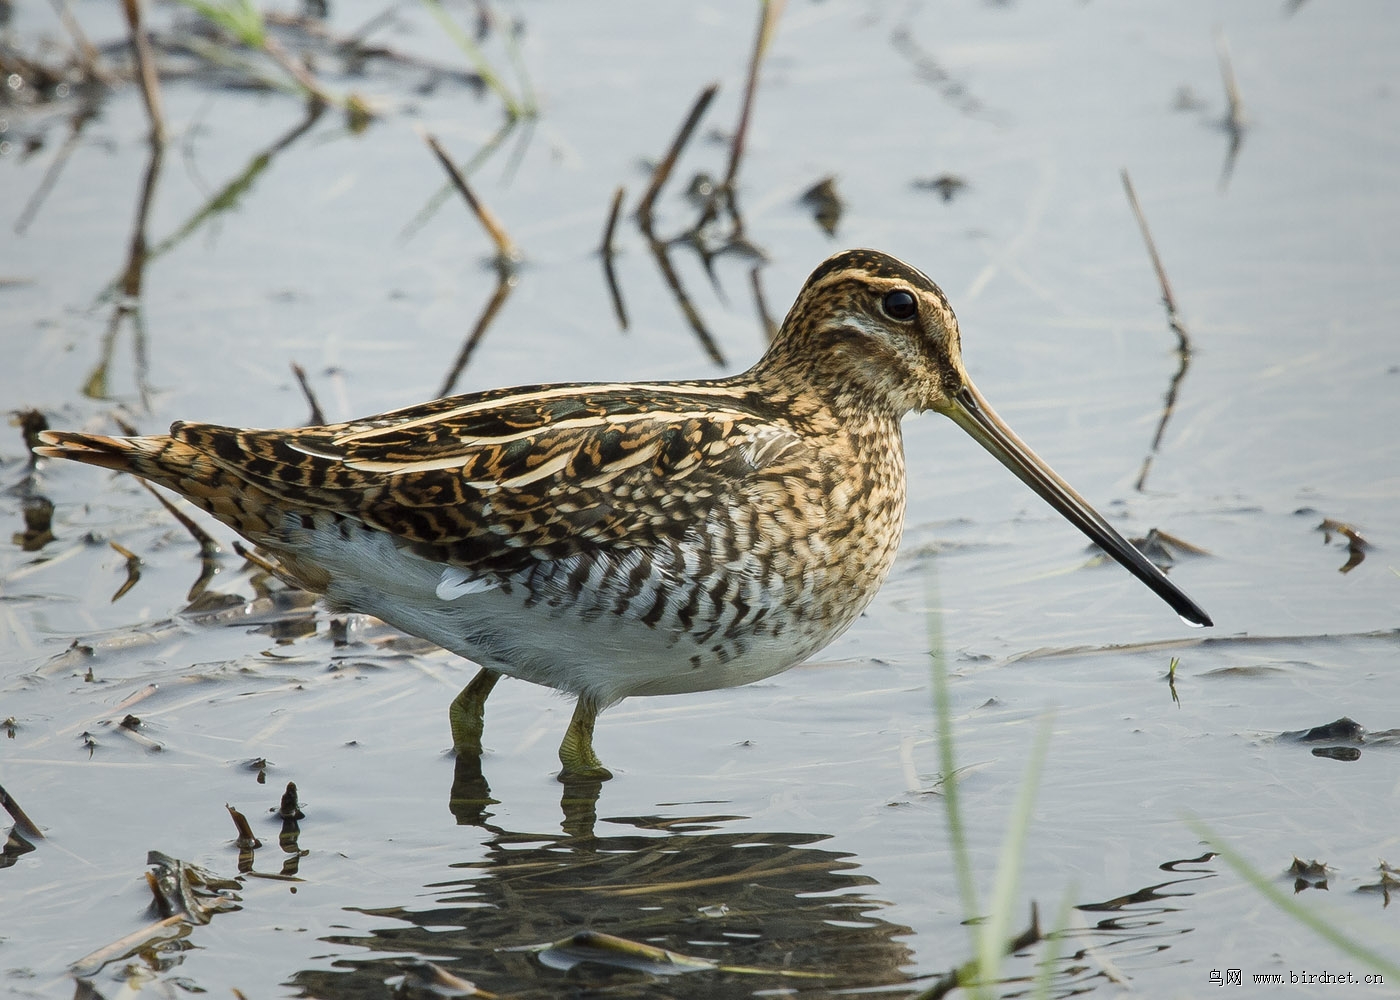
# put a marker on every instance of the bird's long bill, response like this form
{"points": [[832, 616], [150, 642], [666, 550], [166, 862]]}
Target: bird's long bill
{"points": [[971, 412]]}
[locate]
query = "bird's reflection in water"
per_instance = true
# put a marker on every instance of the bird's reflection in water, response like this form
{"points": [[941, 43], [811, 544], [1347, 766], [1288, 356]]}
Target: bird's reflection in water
{"points": [[762, 911]]}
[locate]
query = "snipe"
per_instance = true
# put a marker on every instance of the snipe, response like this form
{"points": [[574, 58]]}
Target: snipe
{"points": [[622, 539]]}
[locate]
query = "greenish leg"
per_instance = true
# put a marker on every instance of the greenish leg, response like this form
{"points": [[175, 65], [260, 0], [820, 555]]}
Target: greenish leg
{"points": [[576, 752], [468, 712]]}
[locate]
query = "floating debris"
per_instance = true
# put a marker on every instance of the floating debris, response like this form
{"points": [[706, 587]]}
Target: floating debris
{"points": [[430, 980], [1308, 874], [825, 203], [30, 423], [289, 808], [1344, 729], [259, 766], [1159, 546], [1356, 544], [1389, 882], [246, 841], [38, 523], [946, 186], [1344, 754], [617, 952], [189, 891], [184, 894]]}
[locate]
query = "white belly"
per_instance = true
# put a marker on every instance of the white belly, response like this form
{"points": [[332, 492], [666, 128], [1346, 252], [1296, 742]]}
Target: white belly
{"points": [[673, 635]]}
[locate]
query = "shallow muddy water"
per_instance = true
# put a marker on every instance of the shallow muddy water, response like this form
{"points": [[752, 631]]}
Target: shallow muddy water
{"points": [[790, 835]]}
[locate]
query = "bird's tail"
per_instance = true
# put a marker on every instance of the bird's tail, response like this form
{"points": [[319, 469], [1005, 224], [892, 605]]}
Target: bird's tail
{"points": [[161, 459], [179, 466]]}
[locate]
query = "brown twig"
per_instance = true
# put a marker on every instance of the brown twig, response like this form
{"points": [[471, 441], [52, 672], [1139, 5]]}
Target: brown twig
{"points": [[207, 545], [668, 162], [505, 282], [607, 251], [507, 253], [770, 328], [606, 247], [318, 417], [23, 823], [770, 12], [145, 69], [133, 569], [692, 315]]}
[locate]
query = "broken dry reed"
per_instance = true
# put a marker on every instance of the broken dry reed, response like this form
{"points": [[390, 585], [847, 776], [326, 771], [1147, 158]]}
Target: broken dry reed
{"points": [[507, 253], [1234, 120], [1183, 339], [145, 69], [1234, 116], [318, 416], [147, 939], [668, 162], [1168, 300], [133, 570], [246, 840], [768, 17], [89, 61]]}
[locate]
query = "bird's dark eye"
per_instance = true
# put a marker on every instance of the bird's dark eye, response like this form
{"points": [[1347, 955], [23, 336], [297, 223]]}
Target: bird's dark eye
{"points": [[899, 305]]}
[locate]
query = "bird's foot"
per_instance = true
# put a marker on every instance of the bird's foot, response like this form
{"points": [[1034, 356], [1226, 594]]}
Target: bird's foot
{"points": [[467, 714], [576, 752]]}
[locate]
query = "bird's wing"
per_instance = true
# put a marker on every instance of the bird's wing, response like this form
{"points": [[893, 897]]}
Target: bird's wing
{"points": [[494, 481]]}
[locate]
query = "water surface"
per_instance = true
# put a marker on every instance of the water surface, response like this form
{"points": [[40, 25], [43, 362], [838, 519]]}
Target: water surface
{"points": [[794, 826]]}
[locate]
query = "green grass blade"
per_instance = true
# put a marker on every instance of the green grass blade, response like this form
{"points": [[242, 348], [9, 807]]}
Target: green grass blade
{"points": [[238, 17], [995, 931], [478, 60]]}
